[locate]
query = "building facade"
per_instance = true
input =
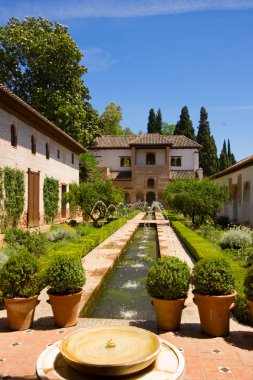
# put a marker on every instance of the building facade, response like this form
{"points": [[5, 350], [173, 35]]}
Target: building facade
{"points": [[31, 143], [142, 165], [239, 181]]}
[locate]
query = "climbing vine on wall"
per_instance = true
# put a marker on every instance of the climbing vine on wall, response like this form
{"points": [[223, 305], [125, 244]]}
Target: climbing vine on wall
{"points": [[50, 198], [14, 194]]}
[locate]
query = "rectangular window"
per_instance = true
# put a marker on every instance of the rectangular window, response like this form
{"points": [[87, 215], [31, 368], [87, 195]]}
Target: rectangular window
{"points": [[176, 161], [125, 162], [58, 153], [72, 158]]}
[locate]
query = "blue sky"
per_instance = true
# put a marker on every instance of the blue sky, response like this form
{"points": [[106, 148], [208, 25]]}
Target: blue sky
{"points": [[144, 54]]}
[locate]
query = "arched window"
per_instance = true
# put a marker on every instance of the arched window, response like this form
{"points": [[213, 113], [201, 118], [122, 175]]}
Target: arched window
{"points": [[47, 151], [150, 159], [14, 138], [33, 144], [176, 161], [150, 183]]}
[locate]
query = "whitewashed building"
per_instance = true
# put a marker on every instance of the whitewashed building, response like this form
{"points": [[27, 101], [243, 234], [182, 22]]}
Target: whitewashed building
{"points": [[239, 180], [142, 165], [31, 143]]}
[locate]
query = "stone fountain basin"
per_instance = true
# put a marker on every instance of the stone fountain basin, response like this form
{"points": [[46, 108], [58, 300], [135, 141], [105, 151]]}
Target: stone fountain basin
{"points": [[110, 350]]}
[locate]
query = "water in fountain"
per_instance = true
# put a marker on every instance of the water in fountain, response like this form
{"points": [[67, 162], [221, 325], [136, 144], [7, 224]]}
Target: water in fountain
{"points": [[124, 295]]}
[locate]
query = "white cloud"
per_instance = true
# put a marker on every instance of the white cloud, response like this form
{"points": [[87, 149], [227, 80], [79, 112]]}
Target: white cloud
{"points": [[97, 59], [71, 9]]}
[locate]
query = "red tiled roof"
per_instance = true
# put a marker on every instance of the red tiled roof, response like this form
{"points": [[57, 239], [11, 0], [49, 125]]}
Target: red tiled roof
{"points": [[182, 174], [13, 103], [248, 161], [116, 142]]}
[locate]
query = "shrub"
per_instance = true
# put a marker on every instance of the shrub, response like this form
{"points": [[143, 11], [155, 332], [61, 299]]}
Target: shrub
{"points": [[14, 236], [4, 255], [33, 242], [19, 276], [60, 233], [213, 277], [248, 284], [249, 257], [168, 278], [222, 221], [236, 239], [64, 275]]}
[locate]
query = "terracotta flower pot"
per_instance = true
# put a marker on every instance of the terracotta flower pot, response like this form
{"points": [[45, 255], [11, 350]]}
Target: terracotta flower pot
{"points": [[168, 313], [65, 308], [20, 312], [214, 313]]}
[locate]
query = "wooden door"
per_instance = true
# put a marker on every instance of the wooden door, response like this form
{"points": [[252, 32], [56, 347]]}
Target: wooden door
{"points": [[63, 204], [33, 214]]}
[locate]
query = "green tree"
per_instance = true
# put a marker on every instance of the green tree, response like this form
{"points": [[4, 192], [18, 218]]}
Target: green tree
{"points": [[151, 127], [110, 120], [231, 156], [159, 121], [198, 199], [208, 154], [93, 197], [184, 125], [154, 121], [41, 64], [88, 170], [168, 129], [223, 160]]}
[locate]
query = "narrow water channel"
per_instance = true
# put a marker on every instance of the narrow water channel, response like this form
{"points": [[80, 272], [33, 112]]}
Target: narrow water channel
{"points": [[124, 294]]}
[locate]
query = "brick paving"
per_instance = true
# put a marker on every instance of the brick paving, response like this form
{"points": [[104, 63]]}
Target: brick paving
{"points": [[206, 357]]}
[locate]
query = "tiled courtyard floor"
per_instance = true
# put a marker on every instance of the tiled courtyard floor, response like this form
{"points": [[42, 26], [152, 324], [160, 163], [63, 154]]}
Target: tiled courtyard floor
{"points": [[206, 357]]}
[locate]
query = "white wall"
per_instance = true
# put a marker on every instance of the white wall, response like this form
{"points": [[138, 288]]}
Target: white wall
{"points": [[141, 156], [190, 159], [245, 207], [110, 158], [20, 157]]}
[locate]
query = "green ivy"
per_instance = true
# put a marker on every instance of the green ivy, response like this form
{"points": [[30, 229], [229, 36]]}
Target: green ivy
{"points": [[50, 198], [14, 191]]}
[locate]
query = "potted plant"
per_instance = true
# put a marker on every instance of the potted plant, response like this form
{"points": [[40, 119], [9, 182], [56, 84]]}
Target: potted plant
{"points": [[20, 284], [248, 289], [65, 278], [214, 294], [168, 283]]}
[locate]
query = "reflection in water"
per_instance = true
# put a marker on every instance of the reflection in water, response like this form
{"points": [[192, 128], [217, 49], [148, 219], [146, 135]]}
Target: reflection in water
{"points": [[124, 295]]}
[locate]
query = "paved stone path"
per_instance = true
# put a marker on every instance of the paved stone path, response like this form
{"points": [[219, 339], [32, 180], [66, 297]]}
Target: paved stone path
{"points": [[206, 358]]}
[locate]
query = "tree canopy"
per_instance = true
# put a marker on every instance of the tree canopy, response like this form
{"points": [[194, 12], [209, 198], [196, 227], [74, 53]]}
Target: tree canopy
{"points": [[198, 199], [184, 125], [208, 154], [226, 158], [154, 121], [110, 121], [40, 63]]}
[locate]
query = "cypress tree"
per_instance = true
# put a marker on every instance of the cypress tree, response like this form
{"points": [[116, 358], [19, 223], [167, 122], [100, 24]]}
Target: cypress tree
{"points": [[159, 121], [184, 125], [151, 127], [231, 157], [208, 154], [223, 160]]}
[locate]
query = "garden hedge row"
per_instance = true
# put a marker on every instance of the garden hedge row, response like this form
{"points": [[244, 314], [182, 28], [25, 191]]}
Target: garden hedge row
{"points": [[200, 248]]}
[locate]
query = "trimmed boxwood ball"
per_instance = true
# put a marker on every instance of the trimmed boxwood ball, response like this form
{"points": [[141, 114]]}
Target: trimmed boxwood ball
{"points": [[169, 278], [19, 276], [248, 284], [64, 275], [213, 276]]}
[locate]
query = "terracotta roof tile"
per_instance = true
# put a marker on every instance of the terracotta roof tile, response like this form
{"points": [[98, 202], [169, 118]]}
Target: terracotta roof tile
{"points": [[248, 161], [13, 102], [117, 142], [182, 174]]}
